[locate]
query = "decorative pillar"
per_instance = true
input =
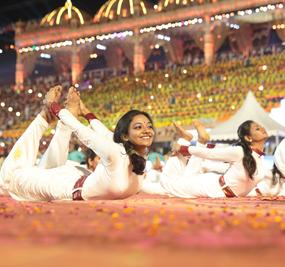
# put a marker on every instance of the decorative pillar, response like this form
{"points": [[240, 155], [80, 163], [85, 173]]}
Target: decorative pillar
{"points": [[139, 59], [19, 76], [76, 66], [138, 50], [209, 43]]}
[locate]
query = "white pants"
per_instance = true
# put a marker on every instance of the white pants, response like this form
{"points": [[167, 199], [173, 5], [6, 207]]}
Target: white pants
{"points": [[194, 183], [173, 169], [191, 183], [51, 180]]}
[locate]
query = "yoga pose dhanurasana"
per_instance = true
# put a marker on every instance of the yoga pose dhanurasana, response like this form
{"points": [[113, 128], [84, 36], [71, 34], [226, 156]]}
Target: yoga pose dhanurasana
{"points": [[118, 175]]}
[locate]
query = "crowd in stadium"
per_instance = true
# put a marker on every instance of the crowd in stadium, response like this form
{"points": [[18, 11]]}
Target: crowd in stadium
{"points": [[169, 92]]}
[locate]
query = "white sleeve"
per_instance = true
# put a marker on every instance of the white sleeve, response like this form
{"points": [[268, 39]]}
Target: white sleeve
{"points": [[279, 156], [106, 149], [226, 154], [214, 166], [101, 129]]}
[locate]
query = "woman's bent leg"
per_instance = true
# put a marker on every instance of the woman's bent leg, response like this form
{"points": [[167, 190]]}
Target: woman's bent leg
{"points": [[103, 147], [153, 188], [25, 151], [57, 151]]}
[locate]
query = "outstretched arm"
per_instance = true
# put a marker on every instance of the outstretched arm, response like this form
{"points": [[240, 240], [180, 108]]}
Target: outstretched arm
{"points": [[95, 123], [225, 154]]}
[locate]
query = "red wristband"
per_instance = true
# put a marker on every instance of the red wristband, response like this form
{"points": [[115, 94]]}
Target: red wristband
{"points": [[184, 151], [55, 108], [90, 116], [211, 145]]}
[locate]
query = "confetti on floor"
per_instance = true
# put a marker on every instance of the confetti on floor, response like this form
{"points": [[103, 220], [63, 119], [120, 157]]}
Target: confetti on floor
{"points": [[143, 230]]}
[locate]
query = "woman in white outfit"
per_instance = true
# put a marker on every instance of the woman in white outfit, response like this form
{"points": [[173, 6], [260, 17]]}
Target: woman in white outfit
{"points": [[119, 175], [279, 167], [245, 168], [274, 182]]}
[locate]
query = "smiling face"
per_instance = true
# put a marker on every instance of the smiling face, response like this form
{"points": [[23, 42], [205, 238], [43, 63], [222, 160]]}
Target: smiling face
{"points": [[257, 133], [140, 132]]}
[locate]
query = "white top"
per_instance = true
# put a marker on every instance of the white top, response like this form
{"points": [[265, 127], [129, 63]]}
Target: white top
{"points": [[236, 176], [106, 180], [279, 157]]}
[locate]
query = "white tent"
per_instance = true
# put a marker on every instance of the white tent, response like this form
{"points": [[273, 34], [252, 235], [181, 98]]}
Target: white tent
{"points": [[250, 110]]}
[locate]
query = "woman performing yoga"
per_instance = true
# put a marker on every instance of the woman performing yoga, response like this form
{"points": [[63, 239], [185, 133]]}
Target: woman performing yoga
{"points": [[274, 182], [118, 175], [244, 168]]}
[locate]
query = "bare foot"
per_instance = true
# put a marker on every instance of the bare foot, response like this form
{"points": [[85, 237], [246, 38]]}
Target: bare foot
{"points": [[203, 136], [84, 109], [175, 147], [182, 132], [72, 102], [53, 95]]}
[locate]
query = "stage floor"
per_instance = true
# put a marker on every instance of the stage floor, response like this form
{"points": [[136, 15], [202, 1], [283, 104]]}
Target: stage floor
{"points": [[143, 230]]}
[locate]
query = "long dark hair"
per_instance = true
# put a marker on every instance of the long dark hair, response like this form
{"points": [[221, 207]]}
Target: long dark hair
{"points": [[122, 128], [248, 160], [276, 175]]}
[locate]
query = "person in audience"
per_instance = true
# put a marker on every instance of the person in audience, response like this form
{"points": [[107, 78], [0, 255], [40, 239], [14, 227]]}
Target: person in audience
{"points": [[91, 159], [75, 153]]}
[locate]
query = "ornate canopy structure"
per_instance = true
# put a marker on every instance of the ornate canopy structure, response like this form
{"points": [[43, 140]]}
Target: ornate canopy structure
{"points": [[131, 27], [64, 15], [174, 4], [118, 9]]}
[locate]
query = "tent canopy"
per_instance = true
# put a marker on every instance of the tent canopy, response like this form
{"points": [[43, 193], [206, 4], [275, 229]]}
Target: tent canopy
{"points": [[250, 110]]}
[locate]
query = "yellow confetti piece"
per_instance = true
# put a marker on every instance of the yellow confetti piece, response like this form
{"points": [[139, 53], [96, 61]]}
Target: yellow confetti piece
{"points": [[156, 220], [189, 209], [236, 222], [277, 219], [128, 210], [118, 226], [258, 225], [259, 214], [115, 215], [273, 212], [37, 210]]}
